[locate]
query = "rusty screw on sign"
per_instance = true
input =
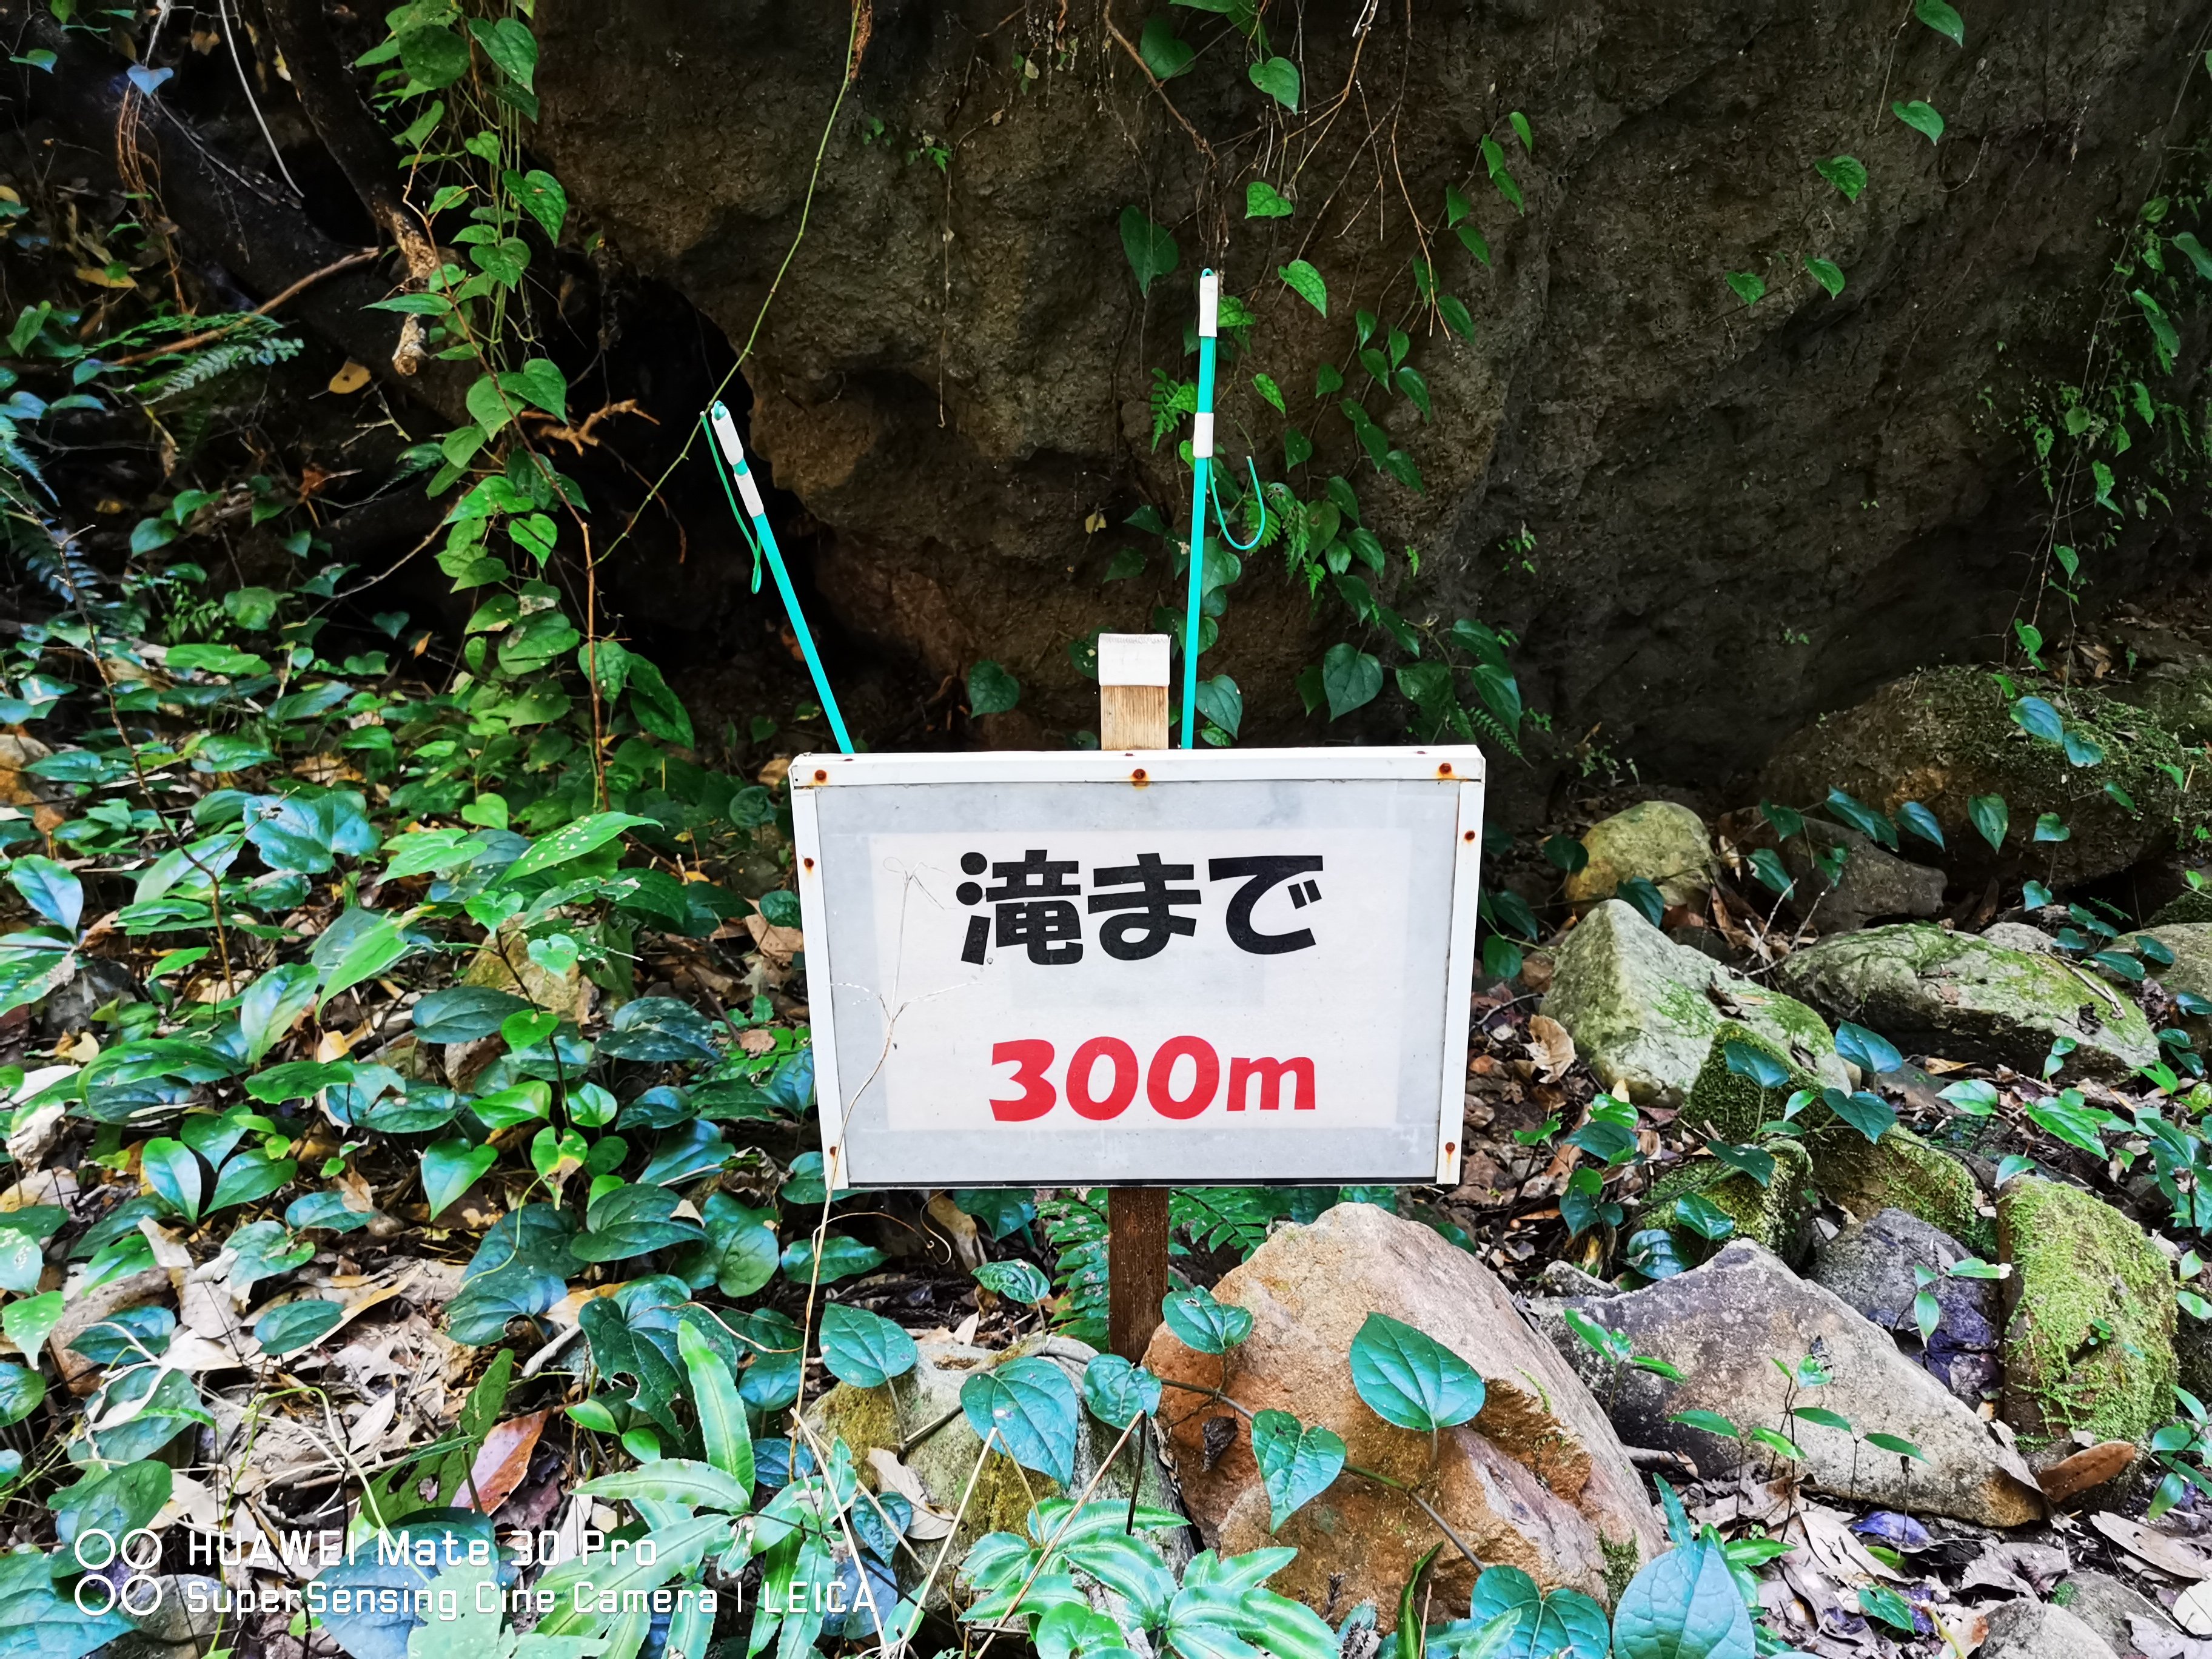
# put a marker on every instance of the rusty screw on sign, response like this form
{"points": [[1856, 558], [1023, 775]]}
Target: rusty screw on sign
{"points": [[1133, 714]]}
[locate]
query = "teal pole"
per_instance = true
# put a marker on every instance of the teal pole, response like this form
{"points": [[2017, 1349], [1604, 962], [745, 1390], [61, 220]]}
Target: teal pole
{"points": [[726, 435], [1201, 460]]}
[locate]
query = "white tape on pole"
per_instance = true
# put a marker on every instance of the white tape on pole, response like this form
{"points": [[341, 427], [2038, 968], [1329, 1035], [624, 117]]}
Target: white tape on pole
{"points": [[734, 451], [1201, 434], [1133, 660], [1209, 304]]}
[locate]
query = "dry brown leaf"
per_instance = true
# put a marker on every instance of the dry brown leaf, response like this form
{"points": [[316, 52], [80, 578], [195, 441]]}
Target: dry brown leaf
{"points": [[960, 1227], [929, 1522], [1550, 1047], [2166, 1553], [81, 1312], [504, 1462], [46, 1187], [2157, 1640], [2092, 1467], [2192, 1609], [350, 378], [778, 944], [375, 1418], [1828, 1539]]}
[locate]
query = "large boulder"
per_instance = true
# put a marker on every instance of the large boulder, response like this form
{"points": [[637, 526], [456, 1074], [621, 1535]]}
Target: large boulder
{"points": [[2191, 971], [923, 1408], [1663, 843], [1874, 885], [2029, 1629], [1946, 735], [2088, 1336], [1724, 1326], [1537, 1480], [1871, 1265], [1901, 1171], [1962, 996], [1644, 1010]]}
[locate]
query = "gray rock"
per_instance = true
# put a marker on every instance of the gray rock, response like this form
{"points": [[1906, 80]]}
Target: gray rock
{"points": [[2028, 1629], [1873, 885], [97, 982], [1967, 999], [1723, 1326], [1564, 1279], [170, 1629], [1643, 1010], [2106, 1606], [2191, 970], [2019, 936], [1869, 1264]]}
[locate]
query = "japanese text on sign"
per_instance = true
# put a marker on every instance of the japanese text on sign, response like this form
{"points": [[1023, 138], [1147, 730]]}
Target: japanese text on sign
{"points": [[1024, 969]]}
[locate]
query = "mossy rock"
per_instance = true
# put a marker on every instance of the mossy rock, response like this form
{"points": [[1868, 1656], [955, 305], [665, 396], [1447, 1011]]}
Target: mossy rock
{"points": [[2191, 967], [2089, 1327], [1945, 735], [884, 1419], [1901, 1171], [1666, 844], [1643, 1010], [1963, 996], [1731, 1106], [1778, 1215], [2184, 910]]}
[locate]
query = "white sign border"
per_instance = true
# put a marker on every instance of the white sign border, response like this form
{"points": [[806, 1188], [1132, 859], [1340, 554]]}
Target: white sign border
{"points": [[1461, 763]]}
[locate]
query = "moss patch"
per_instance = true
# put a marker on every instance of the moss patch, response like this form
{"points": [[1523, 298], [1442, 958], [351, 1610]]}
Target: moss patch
{"points": [[1904, 1172], [2190, 907], [1775, 1215], [1731, 1106], [1621, 1561], [2088, 1342]]}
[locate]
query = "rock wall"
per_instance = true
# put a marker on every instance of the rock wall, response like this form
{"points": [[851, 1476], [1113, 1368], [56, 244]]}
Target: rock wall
{"points": [[1735, 518]]}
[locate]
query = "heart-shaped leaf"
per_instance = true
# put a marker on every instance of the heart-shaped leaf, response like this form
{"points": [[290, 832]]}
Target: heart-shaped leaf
{"points": [[291, 1325], [1118, 1392], [1869, 1113], [1201, 1323], [1944, 19], [1031, 1405], [1685, 1605], [1278, 78], [1296, 1462], [1409, 1378], [1015, 1279], [1921, 116], [1563, 1623], [864, 1349], [1871, 1052], [1303, 279], [450, 1168], [249, 1175], [1152, 252], [172, 1171], [1846, 173]]}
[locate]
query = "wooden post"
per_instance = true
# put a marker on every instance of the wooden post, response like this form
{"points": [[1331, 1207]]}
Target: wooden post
{"points": [[1133, 714]]}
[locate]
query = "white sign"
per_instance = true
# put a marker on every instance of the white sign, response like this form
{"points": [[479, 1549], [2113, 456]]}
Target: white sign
{"points": [[1168, 966]]}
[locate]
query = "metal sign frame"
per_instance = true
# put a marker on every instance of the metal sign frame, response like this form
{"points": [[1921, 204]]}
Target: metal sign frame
{"points": [[1456, 766]]}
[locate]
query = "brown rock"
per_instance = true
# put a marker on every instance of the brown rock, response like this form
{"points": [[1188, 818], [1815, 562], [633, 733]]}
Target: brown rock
{"points": [[1536, 1481]]}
